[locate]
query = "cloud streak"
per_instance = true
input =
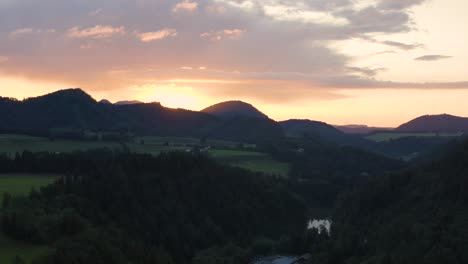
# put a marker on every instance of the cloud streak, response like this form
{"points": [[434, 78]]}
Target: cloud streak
{"points": [[97, 32], [157, 35], [187, 6], [432, 58]]}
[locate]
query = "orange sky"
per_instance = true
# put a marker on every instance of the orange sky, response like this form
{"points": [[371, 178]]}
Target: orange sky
{"points": [[375, 62]]}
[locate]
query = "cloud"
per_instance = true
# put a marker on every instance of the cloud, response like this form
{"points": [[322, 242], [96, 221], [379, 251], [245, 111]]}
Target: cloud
{"points": [[385, 52], [367, 72], [288, 13], [186, 5], [283, 48], [97, 32], [432, 57], [231, 34], [216, 9], [21, 31], [402, 46], [399, 4], [157, 35], [3, 59], [95, 12]]}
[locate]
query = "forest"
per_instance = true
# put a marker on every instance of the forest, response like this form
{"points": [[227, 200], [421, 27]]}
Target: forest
{"points": [[417, 215], [118, 207]]}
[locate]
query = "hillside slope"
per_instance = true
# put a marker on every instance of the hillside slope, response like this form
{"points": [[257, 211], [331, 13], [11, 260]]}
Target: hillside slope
{"points": [[416, 216], [435, 123], [75, 110], [231, 109]]}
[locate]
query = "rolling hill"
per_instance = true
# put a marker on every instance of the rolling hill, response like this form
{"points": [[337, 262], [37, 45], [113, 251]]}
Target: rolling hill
{"points": [[232, 109], [296, 128], [73, 109], [436, 123]]}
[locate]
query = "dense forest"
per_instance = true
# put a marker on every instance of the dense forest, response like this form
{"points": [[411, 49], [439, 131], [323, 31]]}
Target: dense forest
{"points": [[118, 207], [415, 216], [321, 171]]}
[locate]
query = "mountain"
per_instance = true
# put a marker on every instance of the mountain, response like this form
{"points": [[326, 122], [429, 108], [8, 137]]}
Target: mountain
{"points": [[231, 109], [240, 120], [71, 108], [128, 102], [435, 123], [74, 110], [361, 129], [105, 101], [297, 128], [307, 128]]}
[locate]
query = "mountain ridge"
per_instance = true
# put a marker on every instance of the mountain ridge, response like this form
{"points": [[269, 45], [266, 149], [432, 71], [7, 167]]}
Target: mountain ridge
{"points": [[435, 123], [233, 108]]}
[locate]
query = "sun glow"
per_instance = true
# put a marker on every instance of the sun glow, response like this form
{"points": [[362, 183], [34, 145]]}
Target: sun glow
{"points": [[170, 95]]}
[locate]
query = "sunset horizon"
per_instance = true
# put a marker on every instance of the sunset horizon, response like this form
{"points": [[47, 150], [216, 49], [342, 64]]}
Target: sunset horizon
{"points": [[371, 62]]}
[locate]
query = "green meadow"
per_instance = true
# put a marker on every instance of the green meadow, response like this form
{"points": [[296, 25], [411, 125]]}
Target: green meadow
{"points": [[21, 184], [254, 161], [224, 151]]}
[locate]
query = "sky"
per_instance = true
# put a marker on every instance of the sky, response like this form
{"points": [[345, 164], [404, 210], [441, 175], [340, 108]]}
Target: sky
{"points": [[374, 62]]}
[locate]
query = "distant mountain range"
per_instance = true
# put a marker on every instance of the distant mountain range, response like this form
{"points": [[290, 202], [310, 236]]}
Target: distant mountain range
{"points": [[74, 109], [361, 129]]}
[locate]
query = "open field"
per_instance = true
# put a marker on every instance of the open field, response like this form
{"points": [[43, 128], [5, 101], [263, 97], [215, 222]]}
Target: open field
{"points": [[21, 184], [17, 143], [254, 161], [12, 144], [221, 150], [382, 137]]}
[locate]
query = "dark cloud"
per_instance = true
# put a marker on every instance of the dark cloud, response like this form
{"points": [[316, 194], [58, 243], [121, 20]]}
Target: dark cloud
{"points": [[369, 72], [399, 4], [432, 57], [402, 46]]}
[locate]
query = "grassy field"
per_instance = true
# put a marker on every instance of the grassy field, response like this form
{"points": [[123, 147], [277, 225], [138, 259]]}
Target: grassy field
{"points": [[21, 184], [221, 150], [254, 161], [18, 143], [382, 137]]}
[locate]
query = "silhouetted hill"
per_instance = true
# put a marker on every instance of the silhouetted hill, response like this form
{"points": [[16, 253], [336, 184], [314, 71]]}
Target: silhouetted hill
{"points": [[74, 110], [315, 129], [360, 129], [435, 123], [306, 128], [234, 109], [105, 101], [71, 108], [245, 128]]}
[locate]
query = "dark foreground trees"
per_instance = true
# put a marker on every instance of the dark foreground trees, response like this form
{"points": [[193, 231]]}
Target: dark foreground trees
{"points": [[416, 216], [129, 208]]}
